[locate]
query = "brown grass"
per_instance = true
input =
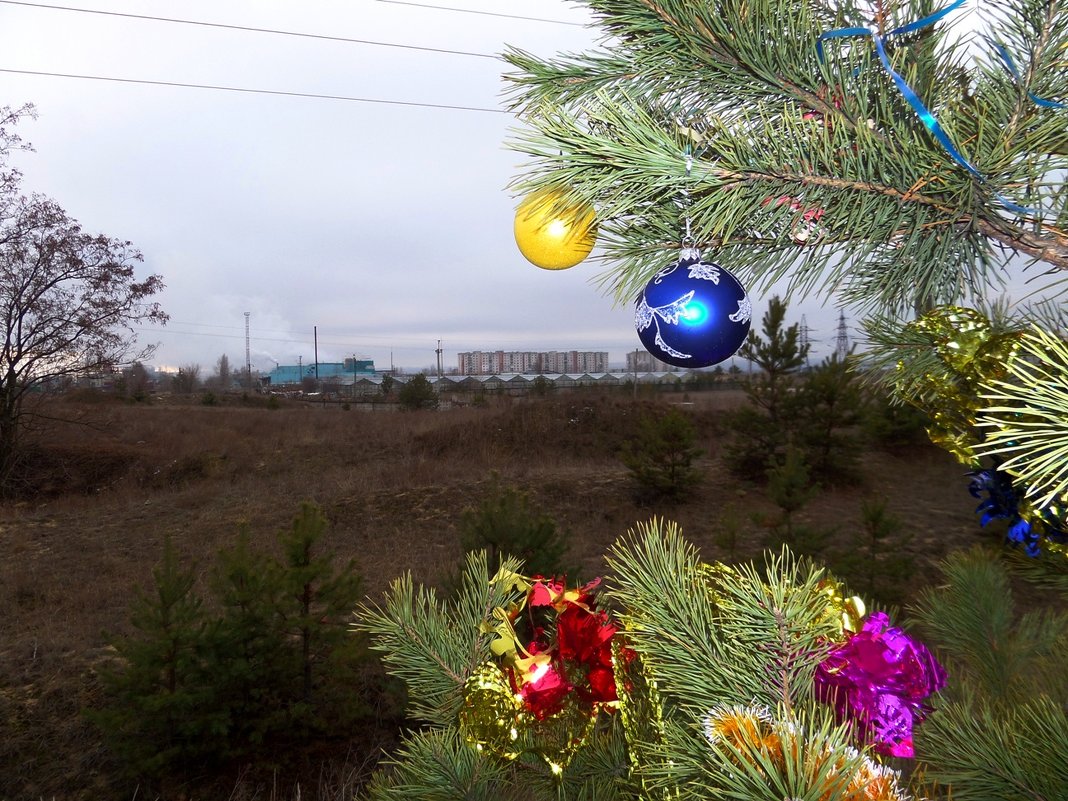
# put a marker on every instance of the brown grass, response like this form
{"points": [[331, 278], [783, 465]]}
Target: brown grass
{"points": [[392, 485]]}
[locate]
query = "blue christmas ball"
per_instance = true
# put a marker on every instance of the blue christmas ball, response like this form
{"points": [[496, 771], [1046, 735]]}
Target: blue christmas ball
{"points": [[693, 313]]}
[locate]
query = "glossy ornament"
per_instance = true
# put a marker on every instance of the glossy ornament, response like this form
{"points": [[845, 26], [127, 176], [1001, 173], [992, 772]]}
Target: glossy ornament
{"points": [[693, 313], [551, 232]]}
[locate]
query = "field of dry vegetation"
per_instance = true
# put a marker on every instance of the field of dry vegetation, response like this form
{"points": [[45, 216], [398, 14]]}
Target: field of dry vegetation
{"points": [[392, 485]]}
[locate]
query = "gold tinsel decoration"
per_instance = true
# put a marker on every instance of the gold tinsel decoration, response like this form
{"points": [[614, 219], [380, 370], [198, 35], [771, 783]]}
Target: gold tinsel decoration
{"points": [[491, 715], [971, 352], [640, 709]]}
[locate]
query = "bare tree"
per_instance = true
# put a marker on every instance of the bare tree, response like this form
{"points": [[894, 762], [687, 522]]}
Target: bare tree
{"points": [[68, 300], [135, 381]]}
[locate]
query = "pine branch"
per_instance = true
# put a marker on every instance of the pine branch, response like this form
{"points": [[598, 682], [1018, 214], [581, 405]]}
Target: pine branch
{"points": [[710, 638], [1002, 755], [432, 645], [738, 85], [1008, 658], [907, 357], [1026, 418], [441, 766]]}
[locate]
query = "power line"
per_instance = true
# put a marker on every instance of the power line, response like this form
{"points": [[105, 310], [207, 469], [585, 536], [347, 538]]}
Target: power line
{"points": [[295, 338], [249, 29], [343, 341], [253, 91], [480, 13]]}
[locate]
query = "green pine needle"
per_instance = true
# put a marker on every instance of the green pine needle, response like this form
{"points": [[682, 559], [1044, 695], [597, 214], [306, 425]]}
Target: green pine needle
{"points": [[1027, 418]]}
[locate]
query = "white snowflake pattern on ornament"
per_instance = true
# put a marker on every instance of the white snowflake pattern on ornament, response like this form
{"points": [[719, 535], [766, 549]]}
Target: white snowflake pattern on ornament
{"points": [[744, 313], [705, 272], [670, 351], [671, 313], [643, 316]]}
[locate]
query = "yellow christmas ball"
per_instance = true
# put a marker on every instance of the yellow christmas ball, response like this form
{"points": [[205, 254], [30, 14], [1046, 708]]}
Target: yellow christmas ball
{"points": [[552, 233]]}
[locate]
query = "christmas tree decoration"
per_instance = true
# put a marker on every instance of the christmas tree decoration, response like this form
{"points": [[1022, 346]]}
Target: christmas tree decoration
{"points": [[1002, 499], [849, 610], [491, 713], [693, 313], [753, 742], [961, 350], [805, 228], [553, 232], [556, 661], [878, 680]]}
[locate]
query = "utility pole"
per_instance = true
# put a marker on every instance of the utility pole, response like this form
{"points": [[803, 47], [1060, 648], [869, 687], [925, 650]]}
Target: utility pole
{"points": [[635, 374], [315, 337], [248, 355]]}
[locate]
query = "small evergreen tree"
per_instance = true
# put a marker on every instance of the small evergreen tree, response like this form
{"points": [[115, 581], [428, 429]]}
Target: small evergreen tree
{"points": [[779, 355], [315, 600], [505, 525], [830, 404], [763, 428], [661, 456], [253, 664], [790, 488], [877, 563], [275, 663], [893, 426], [417, 393], [728, 532], [161, 713]]}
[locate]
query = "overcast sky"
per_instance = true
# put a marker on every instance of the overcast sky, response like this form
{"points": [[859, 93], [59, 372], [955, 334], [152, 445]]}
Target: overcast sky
{"points": [[388, 226]]}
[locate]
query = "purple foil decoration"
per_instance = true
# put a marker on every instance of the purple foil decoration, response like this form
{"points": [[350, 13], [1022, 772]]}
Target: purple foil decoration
{"points": [[878, 680]]}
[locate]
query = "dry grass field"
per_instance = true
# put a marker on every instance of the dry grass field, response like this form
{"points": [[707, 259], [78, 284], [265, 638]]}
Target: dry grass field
{"points": [[393, 486]]}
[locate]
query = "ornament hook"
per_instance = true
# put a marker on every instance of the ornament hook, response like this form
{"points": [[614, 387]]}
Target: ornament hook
{"points": [[689, 249]]}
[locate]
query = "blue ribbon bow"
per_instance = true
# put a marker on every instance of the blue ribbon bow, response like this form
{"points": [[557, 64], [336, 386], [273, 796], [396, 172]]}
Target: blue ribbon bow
{"points": [[928, 119]]}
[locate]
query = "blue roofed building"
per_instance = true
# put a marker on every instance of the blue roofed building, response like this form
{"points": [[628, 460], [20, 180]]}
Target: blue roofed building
{"points": [[346, 372]]}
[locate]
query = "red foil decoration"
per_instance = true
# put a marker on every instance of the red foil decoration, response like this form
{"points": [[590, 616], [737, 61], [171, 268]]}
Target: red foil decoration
{"points": [[579, 645]]}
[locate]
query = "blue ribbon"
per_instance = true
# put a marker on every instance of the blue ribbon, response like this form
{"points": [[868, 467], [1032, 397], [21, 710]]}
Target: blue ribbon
{"points": [[1011, 67], [928, 119], [930, 19]]}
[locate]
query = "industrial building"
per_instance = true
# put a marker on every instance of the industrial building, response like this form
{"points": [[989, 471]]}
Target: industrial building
{"points": [[345, 373]]}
